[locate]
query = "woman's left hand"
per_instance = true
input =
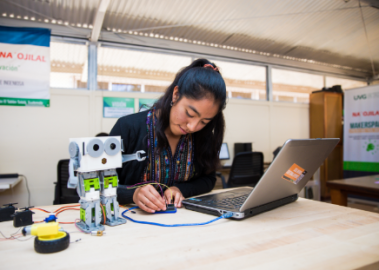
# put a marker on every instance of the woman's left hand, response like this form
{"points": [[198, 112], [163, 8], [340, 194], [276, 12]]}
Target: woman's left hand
{"points": [[176, 194]]}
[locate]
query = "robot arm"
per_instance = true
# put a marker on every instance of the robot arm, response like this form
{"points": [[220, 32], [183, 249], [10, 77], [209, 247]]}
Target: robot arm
{"points": [[130, 157], [135, 156], [73, 165], [72, 180]]}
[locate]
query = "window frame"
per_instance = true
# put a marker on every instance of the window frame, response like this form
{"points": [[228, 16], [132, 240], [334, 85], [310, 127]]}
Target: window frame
{"points": [[268, 80]]}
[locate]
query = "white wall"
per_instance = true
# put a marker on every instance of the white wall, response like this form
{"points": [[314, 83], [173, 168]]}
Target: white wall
{"points": [[266, 124], [34, 139]]}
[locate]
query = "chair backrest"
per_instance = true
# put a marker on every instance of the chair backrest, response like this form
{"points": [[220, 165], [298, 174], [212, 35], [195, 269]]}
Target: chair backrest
{"points": [[276, 152], [247, 169], [63, 194]]}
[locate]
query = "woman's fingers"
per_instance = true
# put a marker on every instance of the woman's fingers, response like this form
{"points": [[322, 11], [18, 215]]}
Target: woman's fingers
{"points": [[148, 199], [144, 207], [153, 196], [170, 195], [167, 196], [178, 199], [178, 196]]}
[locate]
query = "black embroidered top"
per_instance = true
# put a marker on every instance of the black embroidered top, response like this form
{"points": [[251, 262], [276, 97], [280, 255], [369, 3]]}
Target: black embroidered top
{"points": [[133, 132]]}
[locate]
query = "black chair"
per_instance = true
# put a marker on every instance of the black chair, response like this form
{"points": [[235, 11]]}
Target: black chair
{"points": [[63, 194], [247, 169]]}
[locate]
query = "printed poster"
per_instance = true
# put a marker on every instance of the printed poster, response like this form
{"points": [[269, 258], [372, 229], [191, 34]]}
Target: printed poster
{"points": [[361, 130], [24, 66], [145, 103], [115, 107]]}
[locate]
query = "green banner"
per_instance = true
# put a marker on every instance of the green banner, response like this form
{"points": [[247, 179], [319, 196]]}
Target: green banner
{"points": [[146, 103], [5, 101], [361, 166], [115, 107]]}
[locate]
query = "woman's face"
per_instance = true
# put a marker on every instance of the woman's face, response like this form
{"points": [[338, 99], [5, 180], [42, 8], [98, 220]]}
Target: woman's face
{"points": [[190, 115]]}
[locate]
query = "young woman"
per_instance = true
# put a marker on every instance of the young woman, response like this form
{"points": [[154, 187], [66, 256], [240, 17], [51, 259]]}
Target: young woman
{"points": [[182, 135]]}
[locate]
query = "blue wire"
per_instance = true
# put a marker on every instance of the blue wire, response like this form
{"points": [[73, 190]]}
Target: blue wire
{"points": [[226, 215]]}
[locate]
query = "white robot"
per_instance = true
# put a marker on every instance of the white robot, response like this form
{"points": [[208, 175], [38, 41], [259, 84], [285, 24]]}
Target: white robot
{"points": [[95, 161]]}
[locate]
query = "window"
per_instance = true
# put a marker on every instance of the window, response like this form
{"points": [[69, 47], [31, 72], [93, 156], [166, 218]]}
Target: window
{"points": [[69, 65], [128, 70], [345, 83], [242, 80], [294, 86]]}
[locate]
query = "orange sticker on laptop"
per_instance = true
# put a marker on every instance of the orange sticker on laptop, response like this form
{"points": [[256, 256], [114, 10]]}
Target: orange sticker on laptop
{"points": [[294, 174]]}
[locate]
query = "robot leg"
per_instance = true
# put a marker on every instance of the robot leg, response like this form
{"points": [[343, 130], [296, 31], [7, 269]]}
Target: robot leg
{"points": [[90, 216], [90, 211], [109, 183]]}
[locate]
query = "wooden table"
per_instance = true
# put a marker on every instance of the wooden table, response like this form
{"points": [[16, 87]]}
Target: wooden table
{"points": [[367, 186], [302, 235]]}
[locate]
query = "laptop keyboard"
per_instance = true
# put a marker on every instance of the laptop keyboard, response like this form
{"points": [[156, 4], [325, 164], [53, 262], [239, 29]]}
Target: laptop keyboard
{"points": [[235, 202]]}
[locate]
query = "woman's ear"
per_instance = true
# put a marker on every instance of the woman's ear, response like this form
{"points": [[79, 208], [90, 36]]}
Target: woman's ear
{"points": [[175, 94]]}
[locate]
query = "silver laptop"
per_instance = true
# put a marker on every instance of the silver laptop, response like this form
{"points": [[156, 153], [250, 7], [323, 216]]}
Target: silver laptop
{"points": [[294, 165]]}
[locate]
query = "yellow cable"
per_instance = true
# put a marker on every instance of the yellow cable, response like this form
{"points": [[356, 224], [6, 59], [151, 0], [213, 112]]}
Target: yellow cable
{"points": [[172, 197]]}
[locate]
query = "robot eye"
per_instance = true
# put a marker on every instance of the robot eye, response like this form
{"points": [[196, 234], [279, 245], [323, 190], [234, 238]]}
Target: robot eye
{"points": [[112, 146], [95, 148]]}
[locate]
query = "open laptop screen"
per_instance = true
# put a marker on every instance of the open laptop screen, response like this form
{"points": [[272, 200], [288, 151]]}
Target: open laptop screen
{"points": [[224, 152]]}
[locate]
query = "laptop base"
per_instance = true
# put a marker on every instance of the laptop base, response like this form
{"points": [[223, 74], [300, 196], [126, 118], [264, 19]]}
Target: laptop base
{"points": [[245, 214]]}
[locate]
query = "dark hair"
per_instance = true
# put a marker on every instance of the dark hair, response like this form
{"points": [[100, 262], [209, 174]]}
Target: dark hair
{"points": [[197, 82], [102, 134]]}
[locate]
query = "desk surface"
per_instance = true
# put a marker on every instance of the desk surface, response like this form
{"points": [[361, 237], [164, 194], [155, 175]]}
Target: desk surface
{"points": [[302, 235], [362, 186], [366, 182]]}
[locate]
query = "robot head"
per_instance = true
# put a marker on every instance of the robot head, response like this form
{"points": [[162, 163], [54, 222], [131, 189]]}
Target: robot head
{"points": [[97, 153]]}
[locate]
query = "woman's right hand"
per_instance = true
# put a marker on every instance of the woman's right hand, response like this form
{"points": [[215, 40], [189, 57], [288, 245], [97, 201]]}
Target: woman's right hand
{"points": [[148, 199]]}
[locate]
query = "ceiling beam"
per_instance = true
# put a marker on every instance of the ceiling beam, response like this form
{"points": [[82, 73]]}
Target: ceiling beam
{"points": [[99, 18], [174, 47], [61, 32]]}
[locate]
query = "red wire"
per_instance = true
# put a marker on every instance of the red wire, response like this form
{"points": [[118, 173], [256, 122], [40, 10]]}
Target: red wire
{"points": [[58, 211], [64, 209], [67, 206], [103, 212], [40, 209]]}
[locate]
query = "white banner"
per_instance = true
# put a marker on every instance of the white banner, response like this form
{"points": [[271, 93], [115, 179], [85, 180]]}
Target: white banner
{"points": [[361, 129], [24, 66]]}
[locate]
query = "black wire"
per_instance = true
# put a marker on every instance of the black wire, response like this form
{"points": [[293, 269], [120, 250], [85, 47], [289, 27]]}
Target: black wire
{"points": [[11, 237], [16, 238], [75, 241], [27, 187]]}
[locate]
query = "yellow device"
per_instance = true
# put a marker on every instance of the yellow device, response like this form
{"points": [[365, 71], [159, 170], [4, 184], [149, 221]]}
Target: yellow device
{"points": [[49, 237]]}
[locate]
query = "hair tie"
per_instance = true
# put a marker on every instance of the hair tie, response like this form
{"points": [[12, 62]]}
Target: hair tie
{"points": [[209, 65]]}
